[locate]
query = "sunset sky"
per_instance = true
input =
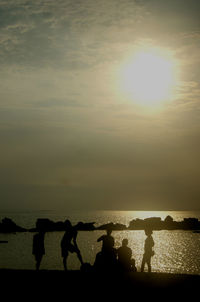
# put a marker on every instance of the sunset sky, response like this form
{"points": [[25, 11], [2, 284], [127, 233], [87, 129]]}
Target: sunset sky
{"points": [[100, 104]]}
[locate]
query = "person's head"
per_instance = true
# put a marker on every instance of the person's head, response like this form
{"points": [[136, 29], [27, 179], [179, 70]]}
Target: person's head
{"points": [[67, 224], [125, 242], [148, 232], [108, 230]]}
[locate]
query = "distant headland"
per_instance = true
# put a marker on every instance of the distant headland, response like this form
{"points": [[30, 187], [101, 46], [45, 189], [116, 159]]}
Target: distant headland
{"points": [[7, 225]]}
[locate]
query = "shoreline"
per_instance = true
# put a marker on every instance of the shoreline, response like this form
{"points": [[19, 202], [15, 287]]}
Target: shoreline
{"points": [[50, 282]]}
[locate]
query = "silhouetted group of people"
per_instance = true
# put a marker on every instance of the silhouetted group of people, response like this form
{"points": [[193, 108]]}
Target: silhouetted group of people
{"points": [[109, 258], [68, 244]]}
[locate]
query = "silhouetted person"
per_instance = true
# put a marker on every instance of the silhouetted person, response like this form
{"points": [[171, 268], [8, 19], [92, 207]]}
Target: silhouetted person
{"points": [[38, 247], [108, 241], [124, 256], [148, 250], [133, 266], [107, 257], [69, 244]]}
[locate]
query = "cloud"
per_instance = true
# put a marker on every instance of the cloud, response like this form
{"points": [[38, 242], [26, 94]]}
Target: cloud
{"points": [[65, 131], [71, 31]]}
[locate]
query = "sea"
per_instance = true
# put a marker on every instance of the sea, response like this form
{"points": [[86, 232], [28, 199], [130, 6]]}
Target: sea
{"points": [[176, 251]]}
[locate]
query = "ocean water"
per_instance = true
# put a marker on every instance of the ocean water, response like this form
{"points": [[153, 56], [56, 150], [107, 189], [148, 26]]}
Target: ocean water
{"points": [[175, 251]]}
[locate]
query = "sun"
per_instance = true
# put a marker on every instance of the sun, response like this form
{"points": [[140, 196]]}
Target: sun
{"points": [[148, 77]]}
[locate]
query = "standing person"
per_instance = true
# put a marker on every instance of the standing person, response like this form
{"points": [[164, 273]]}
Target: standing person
{"points": [[148, 250], [38, 249], [66, 244]]}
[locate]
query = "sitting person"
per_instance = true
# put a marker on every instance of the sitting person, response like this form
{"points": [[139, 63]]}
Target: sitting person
{"points": [[108, 241], [107, 257], [133, 267], [125, 260]]}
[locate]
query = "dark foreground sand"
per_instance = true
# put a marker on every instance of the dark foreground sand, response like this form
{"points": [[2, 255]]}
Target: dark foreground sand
{"points": [[79, 285]]}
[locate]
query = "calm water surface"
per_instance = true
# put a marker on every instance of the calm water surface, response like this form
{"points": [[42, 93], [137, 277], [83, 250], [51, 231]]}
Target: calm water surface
{"points": [[175, 251]]}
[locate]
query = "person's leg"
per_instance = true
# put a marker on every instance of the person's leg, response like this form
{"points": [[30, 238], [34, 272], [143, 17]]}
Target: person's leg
{"points": [[149, 264], [36, 263], [74, 249], [143, 264], [65, 262], [79, 256], [38, 259]]}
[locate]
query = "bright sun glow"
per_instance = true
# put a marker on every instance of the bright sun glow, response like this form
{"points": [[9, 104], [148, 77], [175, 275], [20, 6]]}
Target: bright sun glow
{"points": [[148, 78]]}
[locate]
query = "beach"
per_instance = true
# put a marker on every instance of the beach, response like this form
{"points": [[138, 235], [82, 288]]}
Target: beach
{"points": [[176, 251], [91, 285]]}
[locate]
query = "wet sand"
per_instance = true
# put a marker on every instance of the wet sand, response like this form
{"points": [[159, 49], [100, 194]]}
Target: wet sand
{"points": [[45, 284]]}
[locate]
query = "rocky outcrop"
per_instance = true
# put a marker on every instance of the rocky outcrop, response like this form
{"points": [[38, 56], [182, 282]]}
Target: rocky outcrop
{"points": [[155, 223], [112, 226], [8, 226], [51, 226]]}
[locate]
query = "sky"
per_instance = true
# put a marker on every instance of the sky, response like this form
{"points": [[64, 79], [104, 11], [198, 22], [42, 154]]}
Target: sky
{"points": [[70, 136]]}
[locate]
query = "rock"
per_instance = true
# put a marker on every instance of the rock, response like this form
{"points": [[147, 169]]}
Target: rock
{"points": [[112, 226], [88, 226], [154, 223], [8, 226], [169, 223], [191, 223], [45, 224], [136, 224], [168, 219], [51, 226]]}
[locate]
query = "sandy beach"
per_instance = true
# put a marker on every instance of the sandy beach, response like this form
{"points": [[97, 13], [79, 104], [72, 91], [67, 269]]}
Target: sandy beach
{"points": [[90, 285]]}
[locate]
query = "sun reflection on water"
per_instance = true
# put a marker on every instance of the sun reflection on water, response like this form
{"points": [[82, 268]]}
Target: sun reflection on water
{"points": [[175, 251]]}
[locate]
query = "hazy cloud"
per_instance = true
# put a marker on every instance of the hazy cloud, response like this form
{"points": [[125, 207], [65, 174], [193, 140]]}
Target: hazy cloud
{"points": [[67, 134]]}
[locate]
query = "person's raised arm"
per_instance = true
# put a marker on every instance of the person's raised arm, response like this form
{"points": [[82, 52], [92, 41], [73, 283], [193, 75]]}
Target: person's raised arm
{"points": [[100, 238]]}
